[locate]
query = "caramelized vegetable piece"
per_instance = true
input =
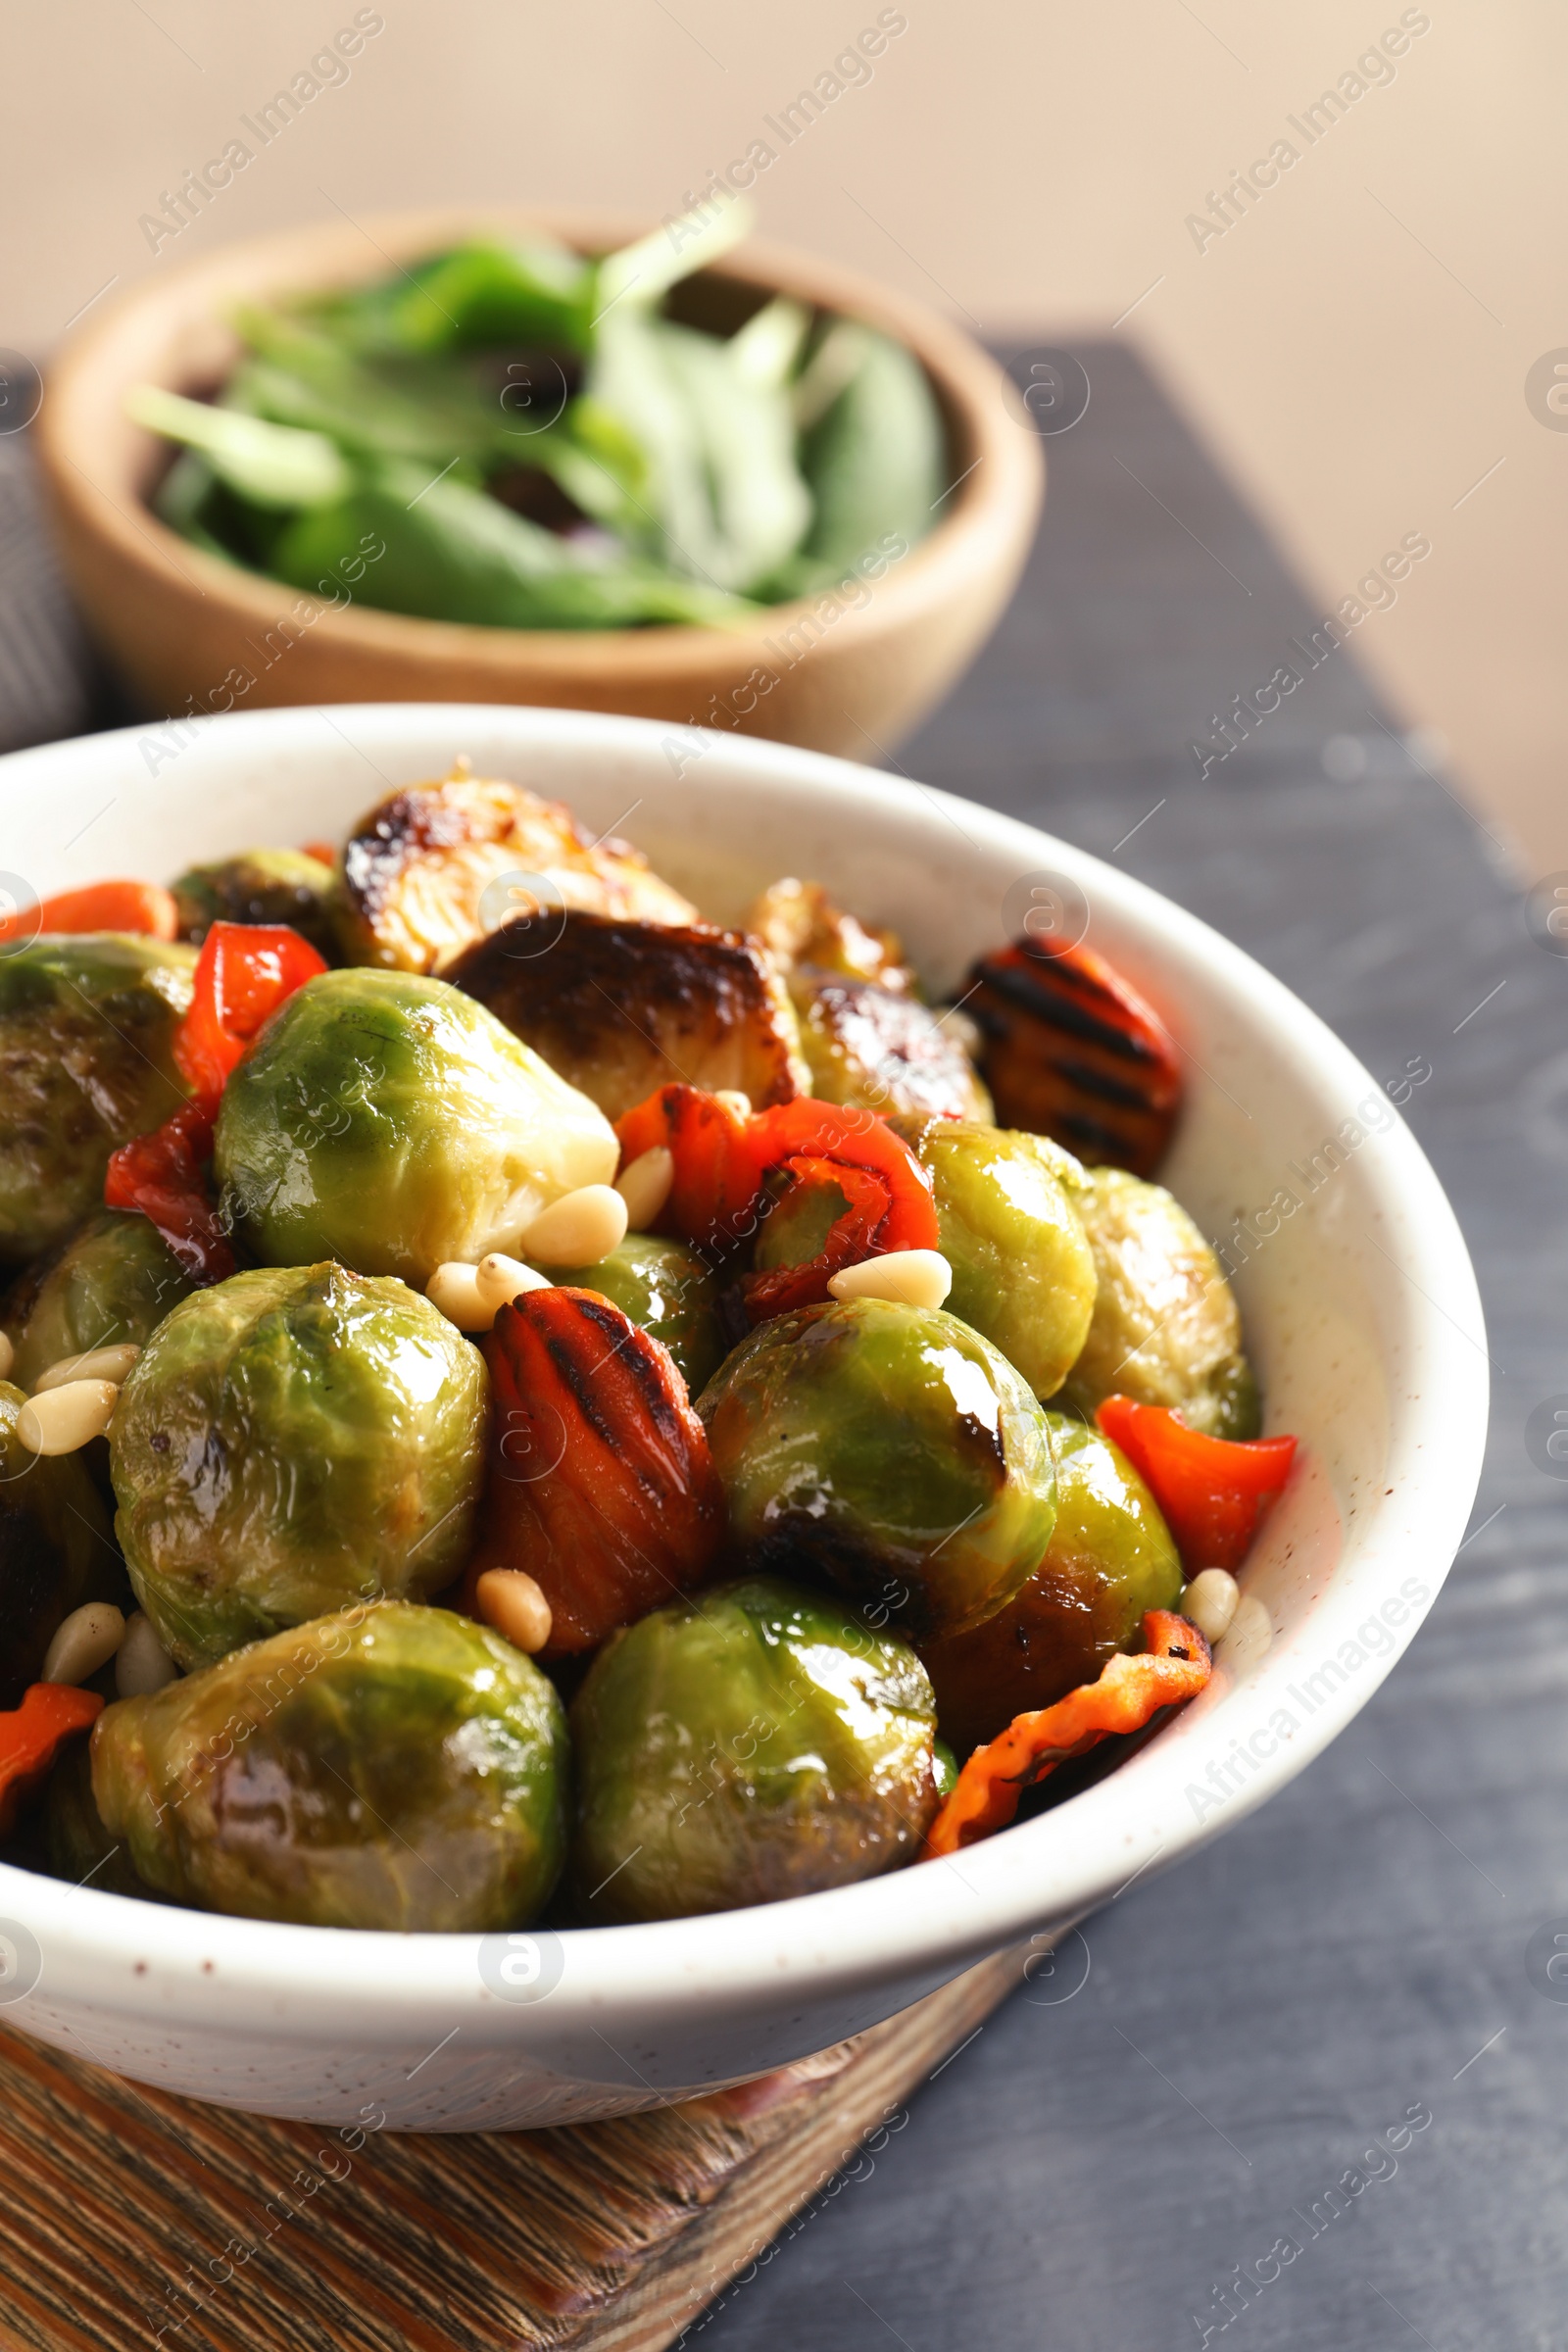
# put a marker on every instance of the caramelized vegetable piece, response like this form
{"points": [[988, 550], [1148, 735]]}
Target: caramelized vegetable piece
{"points": [[800, 924], [601, 1484], [620, 1008], [260, 886], [880, 1046], [1173, 1666], [32, 1736], [1110, 1560], [434, 868], [1072, 1050], [137, 906], [1212, 1491], [111, 1281]]}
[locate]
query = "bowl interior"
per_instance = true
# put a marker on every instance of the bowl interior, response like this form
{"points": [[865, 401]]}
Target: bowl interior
{"points": [[1360, 1310]]}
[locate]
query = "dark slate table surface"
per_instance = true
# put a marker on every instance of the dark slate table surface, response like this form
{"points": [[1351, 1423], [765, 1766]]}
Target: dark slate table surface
{"points": [[1375, 1941]]}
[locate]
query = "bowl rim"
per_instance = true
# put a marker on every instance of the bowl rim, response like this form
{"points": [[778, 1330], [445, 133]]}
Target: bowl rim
{"points": [[323, 1984], [93, 458]]}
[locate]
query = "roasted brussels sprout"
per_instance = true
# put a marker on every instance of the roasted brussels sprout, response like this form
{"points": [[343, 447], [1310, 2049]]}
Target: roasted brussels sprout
{"points": [[1110, 1557], [54, 1549], [393, 1123], [1023, 1272], [756, 1743], [889, 1450], [260, 886], [799, 924], [881, 1048], [76, 1843], [1165, 1327], [600, 1482], [86, 1032], [669, 1292], [391, 1767], [438, 866], [620, 1008], [291, 1440], [111, 1281]]}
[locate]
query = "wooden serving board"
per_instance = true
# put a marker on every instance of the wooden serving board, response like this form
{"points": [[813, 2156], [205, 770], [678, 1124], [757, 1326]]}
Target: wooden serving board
{"points": [[132, 2217]]}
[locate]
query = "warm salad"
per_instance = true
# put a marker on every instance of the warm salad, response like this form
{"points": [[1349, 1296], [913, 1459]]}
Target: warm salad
{"points": [[522, 1403]]}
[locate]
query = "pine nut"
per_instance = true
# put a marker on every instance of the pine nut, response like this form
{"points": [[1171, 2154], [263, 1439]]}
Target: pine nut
{"points": [[1209, 1602], [141, 1662], [501, 1279], [579, 1229], [509, 1600], [67, 1417], [83, 1643], [910, 1277], [8, 1356], [455, 1288], [644, 1185], [98, 1363], [733, 1099]]}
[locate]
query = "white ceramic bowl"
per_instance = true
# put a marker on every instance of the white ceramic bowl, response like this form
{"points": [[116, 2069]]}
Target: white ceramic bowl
{"points": [[1361, 1316]]}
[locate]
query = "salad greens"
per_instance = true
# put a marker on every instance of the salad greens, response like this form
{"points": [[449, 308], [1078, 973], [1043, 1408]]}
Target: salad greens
{"points": [[529, 442]]}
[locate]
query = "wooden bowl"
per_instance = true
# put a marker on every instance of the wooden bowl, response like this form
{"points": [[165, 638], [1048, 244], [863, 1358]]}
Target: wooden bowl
{"points": [[196, 634]]}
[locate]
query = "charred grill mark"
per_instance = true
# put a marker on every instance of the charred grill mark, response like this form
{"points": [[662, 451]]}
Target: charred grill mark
{"points": [[1099, 1083], [1049, 1001]]}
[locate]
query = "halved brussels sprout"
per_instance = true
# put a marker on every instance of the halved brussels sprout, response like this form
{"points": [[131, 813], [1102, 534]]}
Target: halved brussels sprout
{"points": [[112, 1281], [889, 1450], [1110, 1558], [1023, 1272], [666, 1288], [621, 1008], [753, 1744], [1165, 1328], [54, 1549], [880, 1046], [260, 886], [391, 1767], [393, 1123], [291, 1440], [86, 1034], [438, 866]]}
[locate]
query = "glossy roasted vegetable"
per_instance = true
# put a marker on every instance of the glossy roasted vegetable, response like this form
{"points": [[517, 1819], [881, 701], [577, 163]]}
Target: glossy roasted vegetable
{"points": [[1110, 1560], [86, 1037], [882, 1048], [751, 1745], [889, 1450], [260, 886], [111, 1281], [1165, 1327], [1023, 1272], [436, 866], [600, 1482], [671, 1293], [622, 1007], [800, 925], [391, 1122], [54, 1549], [1074, 1052], [77, 1844], [288, 1440], [391, 1767]]}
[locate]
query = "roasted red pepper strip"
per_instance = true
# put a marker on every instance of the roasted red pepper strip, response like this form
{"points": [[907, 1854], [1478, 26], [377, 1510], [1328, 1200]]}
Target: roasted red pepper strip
{"points": [[1211, 1490], [144, 907], [722, 1163], [600, 1482], [1173, 1666], [245, 971], [32, 1736]]}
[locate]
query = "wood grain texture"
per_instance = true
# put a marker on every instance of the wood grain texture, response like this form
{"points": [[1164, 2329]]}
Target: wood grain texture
{"points": [[134, 2218]]}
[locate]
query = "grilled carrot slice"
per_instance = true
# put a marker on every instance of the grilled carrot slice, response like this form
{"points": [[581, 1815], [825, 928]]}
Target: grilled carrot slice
{"points": [[1072, 1050]]}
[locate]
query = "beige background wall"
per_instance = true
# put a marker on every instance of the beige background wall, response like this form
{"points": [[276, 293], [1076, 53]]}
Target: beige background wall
{"points": [[1355, 345]]}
